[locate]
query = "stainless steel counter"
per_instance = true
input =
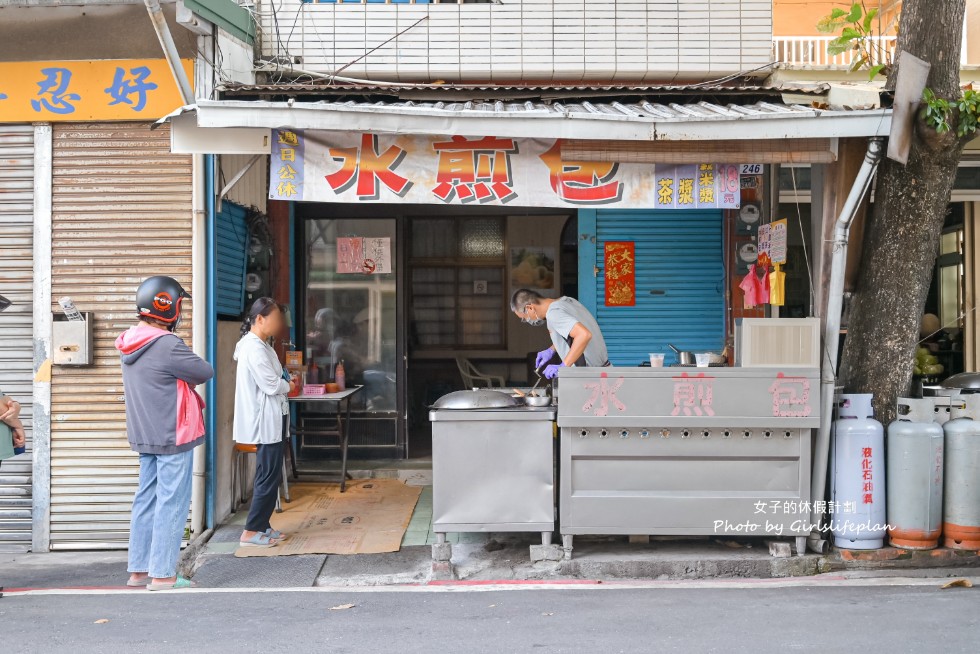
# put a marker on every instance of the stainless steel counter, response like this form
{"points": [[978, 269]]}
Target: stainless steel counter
{"points": [[686, 451], [493, 470]]}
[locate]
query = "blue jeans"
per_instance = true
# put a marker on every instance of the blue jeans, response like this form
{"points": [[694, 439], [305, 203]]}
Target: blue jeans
{"points": [[160, 513]]}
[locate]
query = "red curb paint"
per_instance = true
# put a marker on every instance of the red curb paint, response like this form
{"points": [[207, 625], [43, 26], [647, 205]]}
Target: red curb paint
{"points": [[7, 591]]}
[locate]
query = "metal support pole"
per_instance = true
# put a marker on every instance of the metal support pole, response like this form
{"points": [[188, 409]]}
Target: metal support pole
{"points": [[831, 335]]}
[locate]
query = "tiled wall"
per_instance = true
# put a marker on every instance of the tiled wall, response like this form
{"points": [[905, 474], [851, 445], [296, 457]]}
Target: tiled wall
{"points": [[523, 40]]}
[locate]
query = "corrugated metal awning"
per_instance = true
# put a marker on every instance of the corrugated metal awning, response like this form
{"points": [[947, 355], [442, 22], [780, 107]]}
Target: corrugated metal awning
{"points": [[571, 119], [502, 91]]}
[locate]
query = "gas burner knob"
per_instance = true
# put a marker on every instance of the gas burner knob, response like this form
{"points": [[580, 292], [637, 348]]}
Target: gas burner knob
{"points": [[644, 433], [624, 433], [788, 434], [685, 433], [664, 433], [727, 433], [604, 433], [767, 434], [746, 434], [706, 433], [583, 433]]}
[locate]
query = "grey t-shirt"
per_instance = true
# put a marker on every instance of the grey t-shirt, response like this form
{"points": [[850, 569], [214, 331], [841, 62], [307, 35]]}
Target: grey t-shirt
{"points": [[562, 316]]}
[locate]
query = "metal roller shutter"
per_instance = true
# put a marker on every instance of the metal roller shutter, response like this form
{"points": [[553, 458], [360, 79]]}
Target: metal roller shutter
{"points": [[232, 253], [121, 211], [680, 281], [16, 338]]}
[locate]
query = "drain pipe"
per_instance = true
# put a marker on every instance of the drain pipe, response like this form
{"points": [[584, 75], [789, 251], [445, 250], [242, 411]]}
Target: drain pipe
{"points": [[200, 333], [169, 49], [831, 334], [211, 315]]}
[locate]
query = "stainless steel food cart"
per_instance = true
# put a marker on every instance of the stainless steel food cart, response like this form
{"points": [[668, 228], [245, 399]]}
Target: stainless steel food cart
{"points": [[492, 465], [686, 451]]}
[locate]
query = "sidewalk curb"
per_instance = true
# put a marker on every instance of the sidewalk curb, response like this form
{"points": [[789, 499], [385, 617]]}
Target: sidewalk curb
{"points": [[895, 558]]}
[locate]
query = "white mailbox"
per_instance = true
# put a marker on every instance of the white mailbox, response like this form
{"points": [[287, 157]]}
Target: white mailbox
{"points": [[72, 340]]}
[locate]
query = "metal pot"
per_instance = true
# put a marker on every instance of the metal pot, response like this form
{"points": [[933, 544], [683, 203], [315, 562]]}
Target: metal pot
{"points": [[968, 381], [683, 358], [537, 400]]}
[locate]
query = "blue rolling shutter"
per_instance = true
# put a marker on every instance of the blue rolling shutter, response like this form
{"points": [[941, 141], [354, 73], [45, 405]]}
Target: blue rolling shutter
{"points": [[680, 281], [232, 256]]}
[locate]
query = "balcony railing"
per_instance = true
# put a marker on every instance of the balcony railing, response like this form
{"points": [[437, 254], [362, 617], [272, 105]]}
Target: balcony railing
{"points": [[811, 51]]}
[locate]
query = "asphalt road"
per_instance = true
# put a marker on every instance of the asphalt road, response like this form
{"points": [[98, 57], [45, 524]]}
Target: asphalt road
{"points": [[867, 619]]}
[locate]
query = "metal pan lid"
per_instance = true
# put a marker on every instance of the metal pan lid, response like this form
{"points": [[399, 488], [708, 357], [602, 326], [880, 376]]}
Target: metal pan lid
{"points": [[476, 399]]}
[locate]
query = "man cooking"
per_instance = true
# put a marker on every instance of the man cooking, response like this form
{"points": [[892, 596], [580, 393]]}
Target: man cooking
{"points": [[574, 331]]}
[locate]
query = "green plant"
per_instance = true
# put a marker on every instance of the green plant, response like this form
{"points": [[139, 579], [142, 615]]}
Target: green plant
{"points": [[857, 31], [937, 112], [968, 104]]}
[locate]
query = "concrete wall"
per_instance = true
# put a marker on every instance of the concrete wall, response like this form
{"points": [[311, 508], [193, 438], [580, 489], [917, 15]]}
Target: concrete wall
{"points": [[252, 190], [523, 40], [800, 17], [228, 334], [91, 32]]}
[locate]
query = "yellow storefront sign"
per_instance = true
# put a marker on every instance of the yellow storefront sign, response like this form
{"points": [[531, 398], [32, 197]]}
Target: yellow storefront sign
{"points": [[114, 89]]}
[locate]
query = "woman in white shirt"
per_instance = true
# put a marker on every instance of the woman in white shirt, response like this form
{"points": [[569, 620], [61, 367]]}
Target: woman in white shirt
{"points": [[262, 415]]}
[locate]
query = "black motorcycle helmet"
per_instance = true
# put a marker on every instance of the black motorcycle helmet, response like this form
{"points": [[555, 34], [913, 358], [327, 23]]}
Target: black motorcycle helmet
{"points": [[159, 298]]}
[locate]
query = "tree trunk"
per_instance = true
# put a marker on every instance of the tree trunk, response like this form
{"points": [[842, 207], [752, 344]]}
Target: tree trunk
{"points": [[902, 234]]}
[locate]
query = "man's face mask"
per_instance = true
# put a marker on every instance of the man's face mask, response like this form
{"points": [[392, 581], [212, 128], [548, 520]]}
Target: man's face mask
{"points": [[534, 322]]}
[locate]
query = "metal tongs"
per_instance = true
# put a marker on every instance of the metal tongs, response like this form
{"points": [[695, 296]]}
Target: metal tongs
{"points": [[537, 371]]}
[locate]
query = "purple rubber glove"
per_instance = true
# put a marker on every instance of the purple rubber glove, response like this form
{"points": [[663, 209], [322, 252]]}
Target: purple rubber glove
{"points": [[544, 356], [552, 371]]}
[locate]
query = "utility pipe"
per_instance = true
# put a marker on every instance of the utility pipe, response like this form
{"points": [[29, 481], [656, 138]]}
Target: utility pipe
{"points": [[211, 395], [169, 50], [200, 334], [831, 334]]}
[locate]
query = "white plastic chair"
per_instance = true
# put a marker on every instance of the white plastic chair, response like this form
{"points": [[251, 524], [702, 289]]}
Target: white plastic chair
{"points": [[473, 378]]}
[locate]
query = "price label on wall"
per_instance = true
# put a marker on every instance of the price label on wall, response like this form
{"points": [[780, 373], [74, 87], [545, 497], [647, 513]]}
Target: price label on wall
{"points": [[777, 241]]}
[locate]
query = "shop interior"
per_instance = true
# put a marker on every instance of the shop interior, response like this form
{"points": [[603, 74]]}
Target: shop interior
{"points": [[441, 312]]}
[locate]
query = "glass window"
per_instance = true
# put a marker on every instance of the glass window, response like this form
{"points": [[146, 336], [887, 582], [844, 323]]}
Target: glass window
{"points": [[949, 293], [967, 178], [787, 174], [950, 243], [481, 238], [457, 273], [350, 317]]}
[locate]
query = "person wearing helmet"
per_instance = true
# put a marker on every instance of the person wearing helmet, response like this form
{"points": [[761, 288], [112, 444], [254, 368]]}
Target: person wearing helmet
{"points": [[164, 423]]}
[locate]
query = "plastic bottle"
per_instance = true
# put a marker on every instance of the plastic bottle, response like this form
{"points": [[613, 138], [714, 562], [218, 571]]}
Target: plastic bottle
{"points": [[313, 373], [340, 376]]}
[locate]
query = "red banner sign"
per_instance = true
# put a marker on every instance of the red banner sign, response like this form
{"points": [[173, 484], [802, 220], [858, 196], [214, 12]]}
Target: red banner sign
{"points": [[620, 274]]}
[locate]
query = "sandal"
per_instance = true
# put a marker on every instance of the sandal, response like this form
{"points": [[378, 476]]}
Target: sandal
{"points": [[138, 584], [275, 534], [180, 584], [258, 540]]}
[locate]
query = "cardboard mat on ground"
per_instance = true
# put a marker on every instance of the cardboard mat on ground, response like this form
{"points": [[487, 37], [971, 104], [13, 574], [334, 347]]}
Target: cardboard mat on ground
{"points": [[369, 518]]}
